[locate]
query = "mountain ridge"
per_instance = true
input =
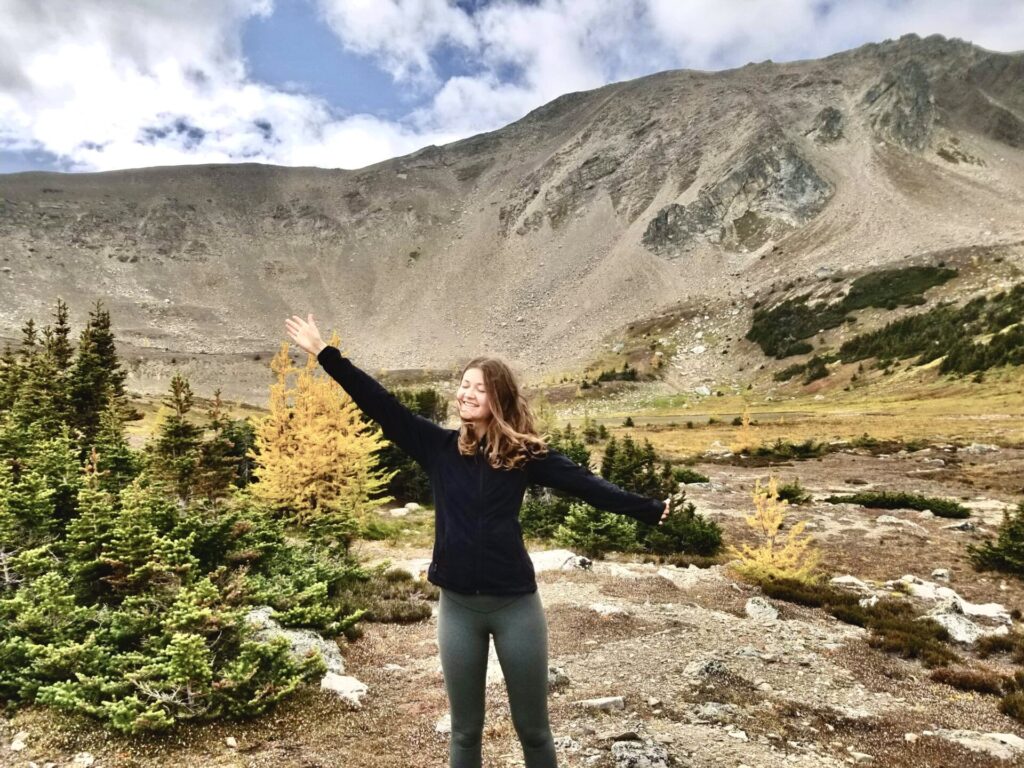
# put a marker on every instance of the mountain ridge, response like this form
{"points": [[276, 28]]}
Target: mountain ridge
{"points": [[542, 240]]}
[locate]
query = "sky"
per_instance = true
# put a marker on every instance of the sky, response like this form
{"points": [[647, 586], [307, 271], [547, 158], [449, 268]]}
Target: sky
{"points": [[96, 85]]}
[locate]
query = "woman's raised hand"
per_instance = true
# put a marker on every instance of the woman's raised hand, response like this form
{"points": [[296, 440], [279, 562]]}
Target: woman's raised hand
{"points": [[305, 333]]}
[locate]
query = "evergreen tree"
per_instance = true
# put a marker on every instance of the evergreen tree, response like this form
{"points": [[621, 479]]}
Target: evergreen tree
{"points": [[55, 460], [29, 340], [116, 464], [241, 434], [88, 538], [26, 513], [174, 456], [609, 460], [10, 378], [41, 399], [592, 532], [97, 377], [1006, 553], [217, 464], [60, 347]]}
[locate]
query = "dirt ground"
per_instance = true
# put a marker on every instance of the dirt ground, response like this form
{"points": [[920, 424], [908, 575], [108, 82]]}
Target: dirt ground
{"points": [[698, 676]]}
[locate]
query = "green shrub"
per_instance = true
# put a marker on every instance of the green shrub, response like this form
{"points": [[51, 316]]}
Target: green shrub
{"points": [[901, 500], [794, 493], [815, 369], [688, 475], [683, 531], [539, 517], [783, 449], [1006, 554], [893, 625], [593, 532], [896, 629]]}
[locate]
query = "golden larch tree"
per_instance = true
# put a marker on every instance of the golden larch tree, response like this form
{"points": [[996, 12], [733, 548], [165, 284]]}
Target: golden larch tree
{"points": [[777, 556], [745, 435], [314, 452]]}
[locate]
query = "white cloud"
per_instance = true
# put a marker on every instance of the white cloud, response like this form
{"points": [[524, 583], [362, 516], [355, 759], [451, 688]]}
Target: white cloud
{"points": [[401, 34], [105, 84]]}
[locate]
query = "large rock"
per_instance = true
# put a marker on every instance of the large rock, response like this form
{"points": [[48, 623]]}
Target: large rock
{"points": [[828, 126], [346, 687], [637, 754], [302, 641], [901, 106], [769, 191]]}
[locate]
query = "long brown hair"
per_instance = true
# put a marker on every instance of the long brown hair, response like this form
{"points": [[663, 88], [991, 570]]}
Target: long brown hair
{"points": [[511, 432]]}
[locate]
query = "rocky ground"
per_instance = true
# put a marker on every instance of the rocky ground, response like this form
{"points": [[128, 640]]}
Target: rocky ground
{"points": [[654, 665]]}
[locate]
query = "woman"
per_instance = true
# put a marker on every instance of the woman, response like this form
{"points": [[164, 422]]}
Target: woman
{"points": [[479, 474]]}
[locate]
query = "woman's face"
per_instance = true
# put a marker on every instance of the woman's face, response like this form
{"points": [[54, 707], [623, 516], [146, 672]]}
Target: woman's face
{"points": [[471, 397]]}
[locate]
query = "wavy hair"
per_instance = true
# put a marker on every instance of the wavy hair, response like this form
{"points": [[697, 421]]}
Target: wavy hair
{"points": [[511, 432]]}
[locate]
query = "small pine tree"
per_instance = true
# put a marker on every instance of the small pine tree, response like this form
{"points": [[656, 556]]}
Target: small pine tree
{"points": [[775, 557], [115, 462], [173, 457], [684, 530], [10, 378], [1007, 553], [216, 472], [592, 532], [745, 437]]}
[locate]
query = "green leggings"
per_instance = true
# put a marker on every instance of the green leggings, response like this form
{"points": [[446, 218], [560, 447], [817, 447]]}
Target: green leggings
{"points": [[464, 626]]}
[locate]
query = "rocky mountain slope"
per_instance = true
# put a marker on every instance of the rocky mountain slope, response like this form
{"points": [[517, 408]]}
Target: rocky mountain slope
{"points": [[683, 195]]}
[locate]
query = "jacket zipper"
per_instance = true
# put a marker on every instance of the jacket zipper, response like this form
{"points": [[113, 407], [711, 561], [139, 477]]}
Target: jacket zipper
{"points": [[479, 520]]}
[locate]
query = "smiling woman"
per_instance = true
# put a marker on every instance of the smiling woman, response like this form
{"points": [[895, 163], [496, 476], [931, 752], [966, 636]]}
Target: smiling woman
{"points": [[479, 475]]}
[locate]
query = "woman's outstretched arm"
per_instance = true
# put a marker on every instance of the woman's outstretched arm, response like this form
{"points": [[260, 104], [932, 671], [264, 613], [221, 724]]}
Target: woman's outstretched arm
{"points": [[418, 436], [556, 470]]}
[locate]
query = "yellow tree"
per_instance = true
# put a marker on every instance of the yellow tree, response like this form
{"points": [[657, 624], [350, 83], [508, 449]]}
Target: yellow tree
{"points": [[745, 437], [546, 420], [777, 556], [313, 451]]}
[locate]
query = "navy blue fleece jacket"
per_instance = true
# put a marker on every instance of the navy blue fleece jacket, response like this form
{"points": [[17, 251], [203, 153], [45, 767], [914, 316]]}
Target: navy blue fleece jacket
{"points": [[478, 542]]}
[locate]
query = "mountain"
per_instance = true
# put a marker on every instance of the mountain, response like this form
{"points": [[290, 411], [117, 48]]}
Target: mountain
{"points": [[665, 204]]}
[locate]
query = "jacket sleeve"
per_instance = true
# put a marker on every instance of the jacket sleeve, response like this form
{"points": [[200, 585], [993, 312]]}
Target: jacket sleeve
{"points": [[556, 470], [416, 435]]}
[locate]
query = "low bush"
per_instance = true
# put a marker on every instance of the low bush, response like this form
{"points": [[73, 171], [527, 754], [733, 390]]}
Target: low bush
{"points": [[688, 475], [794, 493], [1012, 642], [1013, 702], [784, 449], [901, 500], [968, 679], [897, 629], [683, 531]]}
